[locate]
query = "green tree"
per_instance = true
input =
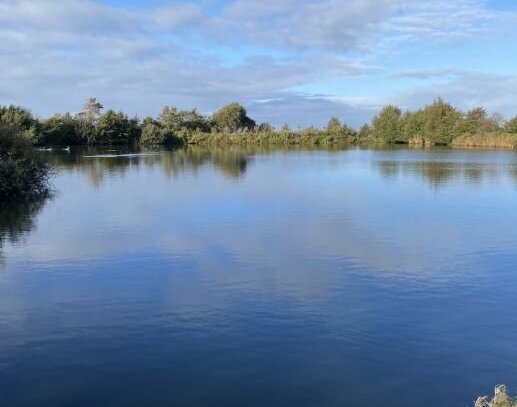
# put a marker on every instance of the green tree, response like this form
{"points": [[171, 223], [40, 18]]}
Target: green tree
{"points": [[265, 128], [413, 126], [349, 133], [86, 130], [22, 121], [114, 128], [135, 129], [60, 130], [475, 121], [179, 124], [86, 121], [340, 131], [364, 133], [152, 133], [511, 125], [334, 126], [22, 171], [194, 121], [440, 122], [387, 125], [172, 119], [232, 118]]}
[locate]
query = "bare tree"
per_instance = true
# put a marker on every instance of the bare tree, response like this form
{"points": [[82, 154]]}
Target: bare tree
{"points": [[92, 109]]}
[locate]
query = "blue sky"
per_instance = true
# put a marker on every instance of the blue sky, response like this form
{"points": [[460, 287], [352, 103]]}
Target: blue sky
{"points": [[298, 62]]}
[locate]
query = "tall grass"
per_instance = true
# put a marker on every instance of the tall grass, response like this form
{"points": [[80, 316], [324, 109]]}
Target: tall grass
{"points": [[308, 137], [489, 140]]}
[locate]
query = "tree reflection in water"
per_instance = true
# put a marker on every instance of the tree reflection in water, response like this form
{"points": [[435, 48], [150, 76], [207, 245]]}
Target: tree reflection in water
{"points": [[17, 219], [98, 163]]}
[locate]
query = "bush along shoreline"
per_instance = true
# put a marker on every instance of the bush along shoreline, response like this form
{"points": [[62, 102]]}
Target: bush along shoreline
{"points": [[24, 174], [437, 124]]}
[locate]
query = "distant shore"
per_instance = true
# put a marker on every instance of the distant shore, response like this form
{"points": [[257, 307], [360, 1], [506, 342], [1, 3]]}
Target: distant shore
{"points": [[437, 124]]}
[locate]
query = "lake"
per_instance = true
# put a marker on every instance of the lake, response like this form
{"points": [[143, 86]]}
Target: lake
{"points": [[262, 277]]}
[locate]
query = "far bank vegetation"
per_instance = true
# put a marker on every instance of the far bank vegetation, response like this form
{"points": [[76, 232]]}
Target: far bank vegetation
{"points": [[438, 123]]}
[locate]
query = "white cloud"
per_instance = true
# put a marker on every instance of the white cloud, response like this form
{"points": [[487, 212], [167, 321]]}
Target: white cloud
{"points": [[327, 24], [307, 110], [56, 54], [425, 73], [446, 20], [79, 16], [495, 92], [176, 16]]}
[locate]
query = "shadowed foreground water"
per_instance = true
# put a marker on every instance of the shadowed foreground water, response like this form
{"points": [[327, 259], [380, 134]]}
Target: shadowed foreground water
{"points": [[262, 278]]}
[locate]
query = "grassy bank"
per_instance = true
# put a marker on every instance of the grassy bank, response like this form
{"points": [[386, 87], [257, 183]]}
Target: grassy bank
{"points": [[488, 140], [23, 173], [307, 137], [316, 137]]}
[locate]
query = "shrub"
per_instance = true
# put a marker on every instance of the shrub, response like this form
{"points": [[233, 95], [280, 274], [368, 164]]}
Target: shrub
{"points": [[265, 128], [22, 121], [22, 172], [511, 125], [85, 130], [387, 125], [413, 127], [440, 123], [364, 134], [60, 130], [232, 118], [153, 134], [114, 128]]}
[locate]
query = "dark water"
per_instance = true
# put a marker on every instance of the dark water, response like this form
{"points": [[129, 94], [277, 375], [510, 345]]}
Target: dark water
{"points": [[263, 278]]}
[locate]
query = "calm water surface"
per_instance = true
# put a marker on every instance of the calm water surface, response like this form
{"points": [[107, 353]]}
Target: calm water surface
{"points": [[228, 277]]}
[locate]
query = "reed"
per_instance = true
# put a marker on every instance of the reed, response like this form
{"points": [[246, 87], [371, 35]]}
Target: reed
{"points": [[489, 140]]}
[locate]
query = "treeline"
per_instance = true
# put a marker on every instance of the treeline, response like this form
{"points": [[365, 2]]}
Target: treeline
{"points": [[173, 126], [440, 123], [436, 124], [92, 126]]}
